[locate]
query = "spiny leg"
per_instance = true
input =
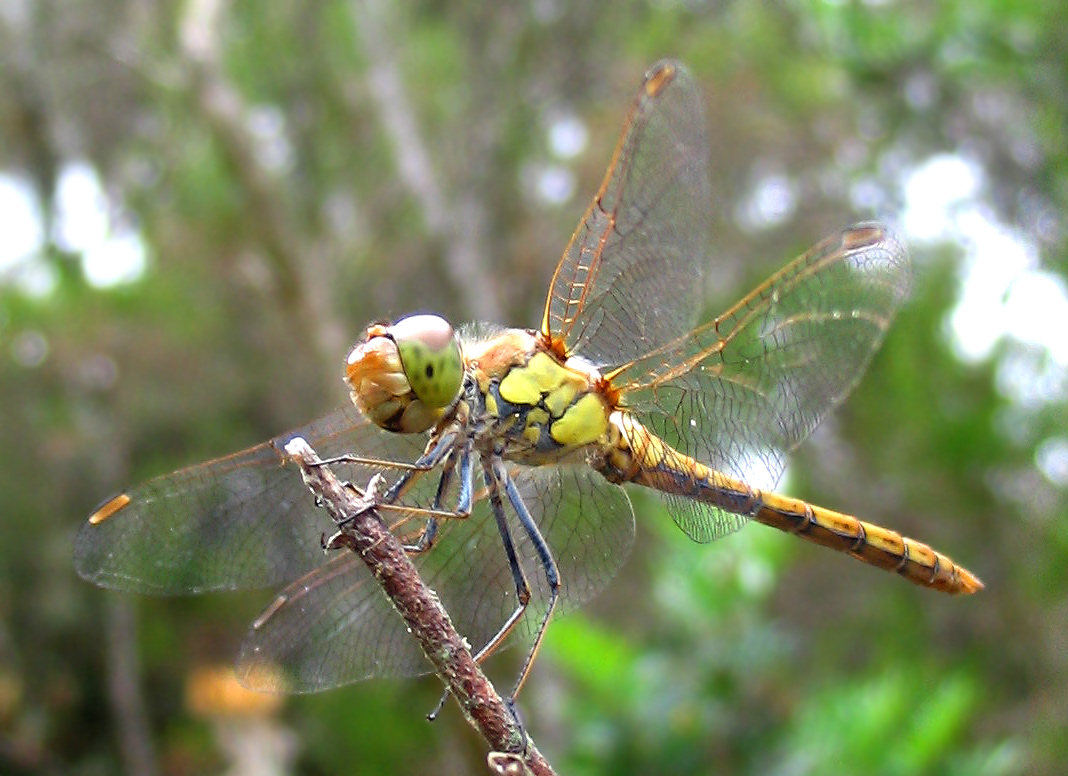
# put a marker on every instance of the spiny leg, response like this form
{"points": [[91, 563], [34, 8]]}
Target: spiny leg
{"points": [[461, 511], [380, 463], [425, 463], [521, 585], [496, 475], [522, 588], [445, 449], [552, 573]]}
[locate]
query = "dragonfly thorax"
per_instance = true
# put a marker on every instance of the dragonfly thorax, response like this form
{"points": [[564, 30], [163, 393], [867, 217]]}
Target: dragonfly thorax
{"points": [[403, 376], [524, 396]]}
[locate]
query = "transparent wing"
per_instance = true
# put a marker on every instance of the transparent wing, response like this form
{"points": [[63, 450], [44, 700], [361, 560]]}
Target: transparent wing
{"points": [[742, 391], [631, 278], [335, 626], [242, 521]]}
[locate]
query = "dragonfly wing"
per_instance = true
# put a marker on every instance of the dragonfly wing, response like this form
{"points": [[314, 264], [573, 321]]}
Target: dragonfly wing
{"points": [[701, 522], [242, 521], [335, 626], [632, 276], [330, 628], [742, 391]]}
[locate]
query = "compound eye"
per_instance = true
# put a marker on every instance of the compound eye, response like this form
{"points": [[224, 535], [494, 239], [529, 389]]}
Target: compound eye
{"points": [[430, 355]]}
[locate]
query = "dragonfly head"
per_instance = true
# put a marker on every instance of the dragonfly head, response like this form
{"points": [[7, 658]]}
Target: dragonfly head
{"points": [[403, 376]]}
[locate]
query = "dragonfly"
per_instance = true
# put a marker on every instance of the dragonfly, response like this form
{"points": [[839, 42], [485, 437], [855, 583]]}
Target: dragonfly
{"points": [[507, 450]]}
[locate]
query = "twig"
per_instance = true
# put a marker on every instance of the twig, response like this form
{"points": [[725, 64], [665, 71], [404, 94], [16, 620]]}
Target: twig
{"points": [[362, 531], [124, 689]]}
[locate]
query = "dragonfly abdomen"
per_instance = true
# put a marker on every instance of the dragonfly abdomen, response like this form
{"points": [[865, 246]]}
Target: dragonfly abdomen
{"points": [[634, 454], [873, 544]]}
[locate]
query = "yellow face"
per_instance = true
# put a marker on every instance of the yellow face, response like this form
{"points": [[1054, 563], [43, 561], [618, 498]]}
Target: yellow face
{"points": [[403, 376]]}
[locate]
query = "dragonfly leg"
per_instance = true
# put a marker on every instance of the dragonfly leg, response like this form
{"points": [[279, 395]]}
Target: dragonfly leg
{"points": [[377, 462], [552, 573], [430, 527], [496, 476], [522, 587], [427, 461], [462, 509], [419, 542]]}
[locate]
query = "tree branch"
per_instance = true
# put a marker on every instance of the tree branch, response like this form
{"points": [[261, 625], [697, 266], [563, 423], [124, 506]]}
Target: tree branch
{"points": [[292, 255], [124, 689], [361, 530]]}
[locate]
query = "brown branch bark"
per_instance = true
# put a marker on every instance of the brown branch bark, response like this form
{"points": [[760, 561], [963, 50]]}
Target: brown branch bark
{"points": [[362, 531]]}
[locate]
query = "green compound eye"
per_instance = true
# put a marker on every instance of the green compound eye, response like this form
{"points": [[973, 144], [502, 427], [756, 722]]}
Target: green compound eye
{"points": [[430, 355]]}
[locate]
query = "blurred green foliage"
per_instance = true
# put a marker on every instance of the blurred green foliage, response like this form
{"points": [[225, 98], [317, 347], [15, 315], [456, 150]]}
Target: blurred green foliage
{"points": [[261, 153]]}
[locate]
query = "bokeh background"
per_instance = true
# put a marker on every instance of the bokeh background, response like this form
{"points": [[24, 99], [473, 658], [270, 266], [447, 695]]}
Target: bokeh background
{"points": [[202, 203]]}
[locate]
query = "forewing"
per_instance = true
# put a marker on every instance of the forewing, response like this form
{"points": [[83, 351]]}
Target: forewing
{"points": [[632, 276], [242, 521], [336, 626], [742, 391]]}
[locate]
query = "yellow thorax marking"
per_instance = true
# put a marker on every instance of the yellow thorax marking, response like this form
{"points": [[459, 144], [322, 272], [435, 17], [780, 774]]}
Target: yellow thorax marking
{"points": [[542, 375], [584, 422], [576, 416]]}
